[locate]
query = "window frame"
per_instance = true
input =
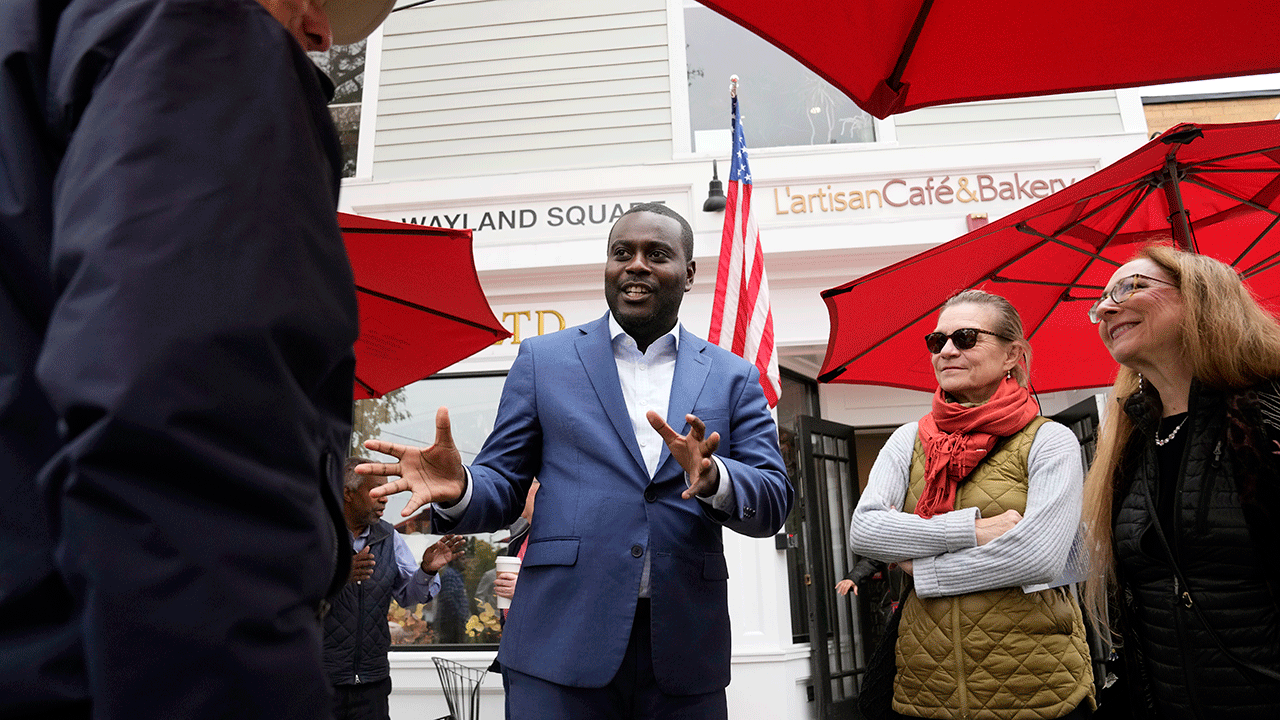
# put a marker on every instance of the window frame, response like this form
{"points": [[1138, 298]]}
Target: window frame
{"points": [[682, 146]]}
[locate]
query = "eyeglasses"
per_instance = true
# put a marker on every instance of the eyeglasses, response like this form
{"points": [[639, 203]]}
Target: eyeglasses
{"points": [[963, 339], [1122, 291]]}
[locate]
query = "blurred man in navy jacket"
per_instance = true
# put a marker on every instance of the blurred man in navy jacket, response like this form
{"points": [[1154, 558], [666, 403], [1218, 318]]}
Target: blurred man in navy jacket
{"points": [[177, 316], [623, 608]]}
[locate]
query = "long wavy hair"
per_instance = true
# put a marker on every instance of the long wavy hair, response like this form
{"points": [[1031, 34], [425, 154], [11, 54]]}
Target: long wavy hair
{"points": [[1007, 323], [1229, 341]]}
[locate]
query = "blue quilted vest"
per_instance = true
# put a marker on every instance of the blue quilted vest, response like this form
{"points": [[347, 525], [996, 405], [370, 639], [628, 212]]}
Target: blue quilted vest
{"points": [[356, 635]]}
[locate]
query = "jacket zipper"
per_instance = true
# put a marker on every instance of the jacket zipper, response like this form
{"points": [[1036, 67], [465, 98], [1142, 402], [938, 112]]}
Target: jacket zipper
{"points": [[1182, 596], [962, 682], [355, 651], [1206, 490]]}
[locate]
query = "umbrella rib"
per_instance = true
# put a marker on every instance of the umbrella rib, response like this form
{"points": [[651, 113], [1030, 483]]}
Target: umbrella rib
{"points": [[1227, 193], [1023, 228], [1202, 170], [1127, 191], [1047, 283], [424, 308], [1137, 200], [894, 81], [1066, 295], [1233, 156], [425, 230], [1262, 268], [367, 387], [1265, 263]]}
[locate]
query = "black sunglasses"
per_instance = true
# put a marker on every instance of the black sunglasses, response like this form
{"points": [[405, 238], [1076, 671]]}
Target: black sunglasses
{"points": [[963, 339]]}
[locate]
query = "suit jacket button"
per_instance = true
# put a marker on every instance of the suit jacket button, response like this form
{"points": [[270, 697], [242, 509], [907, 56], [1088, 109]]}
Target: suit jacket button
{"points": [[636, 551], [650, 495], [748, 512]]}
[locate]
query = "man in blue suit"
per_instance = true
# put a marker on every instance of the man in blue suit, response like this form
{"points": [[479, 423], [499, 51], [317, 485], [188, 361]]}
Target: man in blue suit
{"points": [[621, 609]]}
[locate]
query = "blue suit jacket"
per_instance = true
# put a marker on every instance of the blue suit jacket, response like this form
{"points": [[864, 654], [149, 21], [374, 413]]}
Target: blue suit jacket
{"points": [[563, 420]]}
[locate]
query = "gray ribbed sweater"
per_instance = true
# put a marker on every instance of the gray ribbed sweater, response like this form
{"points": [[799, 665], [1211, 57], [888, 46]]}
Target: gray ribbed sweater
{"points": [[946, 557]]}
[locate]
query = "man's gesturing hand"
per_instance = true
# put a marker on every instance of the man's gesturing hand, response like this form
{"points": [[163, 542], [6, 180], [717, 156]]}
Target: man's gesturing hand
{"points": [[693, 452], [442, 553], [434, 474]]}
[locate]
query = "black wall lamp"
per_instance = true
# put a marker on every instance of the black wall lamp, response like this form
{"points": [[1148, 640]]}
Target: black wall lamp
{"points": [[715, 194]]}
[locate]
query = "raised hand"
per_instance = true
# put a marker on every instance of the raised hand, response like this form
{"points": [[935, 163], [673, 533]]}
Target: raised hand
{"points": [[442, 552], [693, 452], [433, 474]]}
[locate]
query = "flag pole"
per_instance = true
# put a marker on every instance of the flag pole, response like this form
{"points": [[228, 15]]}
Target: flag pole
{"points": [[741, 316]]}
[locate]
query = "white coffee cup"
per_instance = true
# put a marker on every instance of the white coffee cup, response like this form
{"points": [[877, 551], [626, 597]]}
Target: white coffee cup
{"points": [[506, 563]]}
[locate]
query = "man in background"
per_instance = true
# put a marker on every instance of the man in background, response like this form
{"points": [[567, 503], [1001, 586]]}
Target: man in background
{"points": [[177, 316], [356, 635]]}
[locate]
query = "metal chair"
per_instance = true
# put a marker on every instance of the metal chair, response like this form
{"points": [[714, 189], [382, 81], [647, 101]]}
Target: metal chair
{"points": [[461, 686]]}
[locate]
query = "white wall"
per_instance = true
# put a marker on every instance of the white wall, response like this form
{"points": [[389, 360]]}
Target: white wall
{"points": [[1079, 114], [490, 86]]}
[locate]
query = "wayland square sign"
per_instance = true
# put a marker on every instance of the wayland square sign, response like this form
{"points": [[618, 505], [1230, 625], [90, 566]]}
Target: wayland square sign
{"points": [[832, 201]]}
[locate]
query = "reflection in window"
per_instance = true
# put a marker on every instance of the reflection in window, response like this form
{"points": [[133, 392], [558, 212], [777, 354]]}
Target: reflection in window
{"points": [[783, 102], [344, 64], [464, 611]]}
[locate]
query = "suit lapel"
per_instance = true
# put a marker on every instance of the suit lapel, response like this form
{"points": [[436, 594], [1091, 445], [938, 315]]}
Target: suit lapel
{"points": [[595, 350], [692, 368]]}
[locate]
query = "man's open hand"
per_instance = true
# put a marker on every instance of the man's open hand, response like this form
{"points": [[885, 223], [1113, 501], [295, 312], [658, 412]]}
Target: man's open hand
{"points": [[693, 452], [434, 474], [442, 552]]}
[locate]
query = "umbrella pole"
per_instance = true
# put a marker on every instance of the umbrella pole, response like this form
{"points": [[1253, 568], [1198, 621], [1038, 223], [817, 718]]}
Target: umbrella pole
{"points": [[1179, 219]]}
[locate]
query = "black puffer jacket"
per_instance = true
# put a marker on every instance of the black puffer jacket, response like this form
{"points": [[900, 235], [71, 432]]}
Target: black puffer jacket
{"points": [[1209, 648]]}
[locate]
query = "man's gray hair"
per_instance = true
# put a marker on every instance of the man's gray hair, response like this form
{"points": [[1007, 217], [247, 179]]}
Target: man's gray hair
{"points": [[350, 480]]}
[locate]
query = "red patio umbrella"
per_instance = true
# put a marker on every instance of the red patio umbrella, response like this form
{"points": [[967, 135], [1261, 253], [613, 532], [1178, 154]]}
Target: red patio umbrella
{"points": [[898, 55], [421, 305], [1213, 188]]}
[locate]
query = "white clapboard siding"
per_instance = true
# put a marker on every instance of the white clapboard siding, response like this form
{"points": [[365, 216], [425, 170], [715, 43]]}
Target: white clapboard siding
{"points": [[479, 87], [1079, 114]]}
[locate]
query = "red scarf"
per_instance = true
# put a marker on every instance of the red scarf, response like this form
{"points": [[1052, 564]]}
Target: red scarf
{"points": [[957, 438]]}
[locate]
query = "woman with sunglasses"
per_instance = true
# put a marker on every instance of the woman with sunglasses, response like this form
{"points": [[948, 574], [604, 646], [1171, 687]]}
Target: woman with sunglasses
{"points": [[1182, 502], [980, 502]]}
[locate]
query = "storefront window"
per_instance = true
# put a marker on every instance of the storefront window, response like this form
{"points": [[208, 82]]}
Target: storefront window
{"points": [[782, 102], [463, 613], [344, 64]]}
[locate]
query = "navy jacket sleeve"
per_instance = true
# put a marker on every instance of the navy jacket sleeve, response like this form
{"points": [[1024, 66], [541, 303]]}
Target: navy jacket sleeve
{"points": [[198, 355], [754, 460]]}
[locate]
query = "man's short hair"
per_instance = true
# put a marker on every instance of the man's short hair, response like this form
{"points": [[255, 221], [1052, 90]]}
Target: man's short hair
{"points": [[686, 231], [350, 480]]}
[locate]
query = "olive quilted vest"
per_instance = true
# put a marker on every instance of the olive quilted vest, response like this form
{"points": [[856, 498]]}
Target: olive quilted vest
{"points": [[998, 654]]}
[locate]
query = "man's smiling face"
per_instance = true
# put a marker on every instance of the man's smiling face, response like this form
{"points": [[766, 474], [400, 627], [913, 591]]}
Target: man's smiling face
{"points": [[646, 275]]}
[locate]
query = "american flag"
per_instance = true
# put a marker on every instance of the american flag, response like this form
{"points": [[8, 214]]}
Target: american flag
{"points": [[741, 319]]}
